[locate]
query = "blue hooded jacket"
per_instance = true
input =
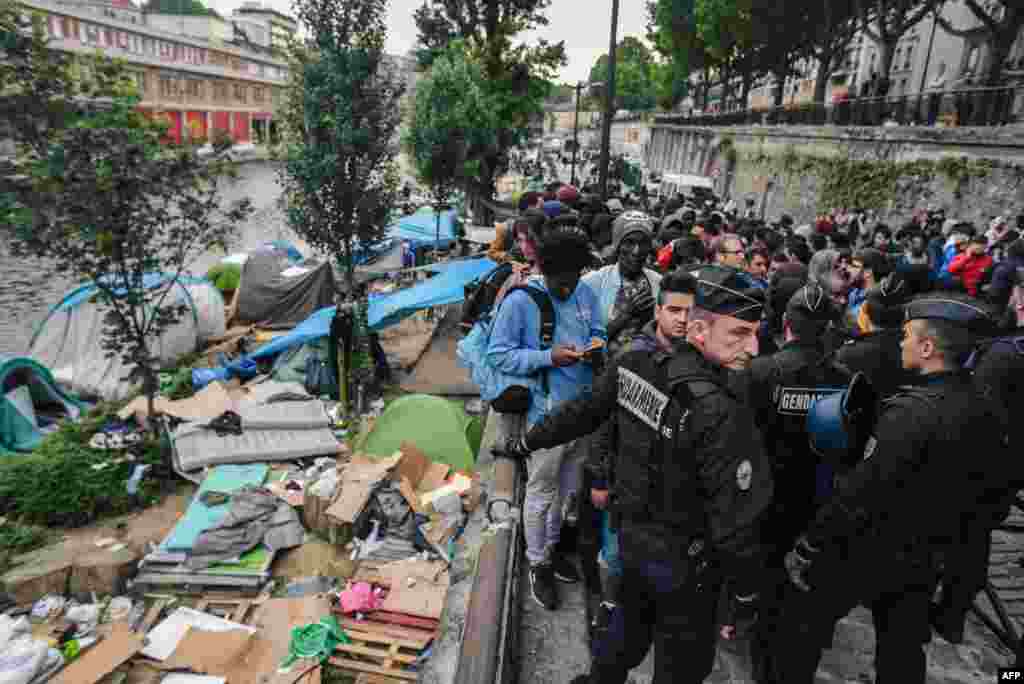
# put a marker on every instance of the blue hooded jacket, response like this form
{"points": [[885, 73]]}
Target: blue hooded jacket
{"points": [[515, 344]]}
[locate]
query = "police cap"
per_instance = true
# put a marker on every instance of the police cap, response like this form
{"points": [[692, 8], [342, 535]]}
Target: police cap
{"points": [[810, 302], [951, 307], [725, 291]]}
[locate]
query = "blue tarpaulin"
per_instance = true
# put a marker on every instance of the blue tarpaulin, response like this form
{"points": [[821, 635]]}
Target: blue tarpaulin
{"points": [[447, 287], [420, 229]]}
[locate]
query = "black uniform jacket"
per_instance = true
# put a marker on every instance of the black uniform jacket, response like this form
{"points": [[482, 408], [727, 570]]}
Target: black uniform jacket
{"points": [[687, 463]]}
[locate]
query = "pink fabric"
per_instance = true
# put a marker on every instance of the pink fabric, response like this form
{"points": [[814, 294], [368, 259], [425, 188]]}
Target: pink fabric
{"points": [[359, 598]]}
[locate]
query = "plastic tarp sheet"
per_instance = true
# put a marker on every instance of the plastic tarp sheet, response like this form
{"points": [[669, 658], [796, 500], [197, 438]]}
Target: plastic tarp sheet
{"points": [[421, 229], [199, 517], [68, 341], [447, 287], [269, 297]]}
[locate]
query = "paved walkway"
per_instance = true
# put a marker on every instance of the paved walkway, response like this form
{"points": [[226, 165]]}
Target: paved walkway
{"points": [[553, 645]]}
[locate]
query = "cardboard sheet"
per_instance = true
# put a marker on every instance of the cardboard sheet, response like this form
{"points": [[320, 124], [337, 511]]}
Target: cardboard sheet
{"points": [[425, 598], [357, 481], [212, 653], [103, 658], [206, 404], [166, 636], [276, 618]]}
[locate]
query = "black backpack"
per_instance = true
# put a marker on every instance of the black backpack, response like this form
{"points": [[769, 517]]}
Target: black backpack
{"points": [[480, 295]]}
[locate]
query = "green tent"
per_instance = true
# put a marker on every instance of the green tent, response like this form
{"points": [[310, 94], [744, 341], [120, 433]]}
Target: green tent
{"points": [[438, 427], [31, 404]]}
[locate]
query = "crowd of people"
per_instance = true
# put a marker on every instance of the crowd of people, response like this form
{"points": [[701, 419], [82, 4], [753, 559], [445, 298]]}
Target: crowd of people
{"points": [[784, 420]]}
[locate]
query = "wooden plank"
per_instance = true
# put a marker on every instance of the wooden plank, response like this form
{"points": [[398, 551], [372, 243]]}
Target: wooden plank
{"points": [[356, 635], [384, 654], [349, 664], [418, 636], [367, 678], [241, 611], [151, 615], [405, 620]]}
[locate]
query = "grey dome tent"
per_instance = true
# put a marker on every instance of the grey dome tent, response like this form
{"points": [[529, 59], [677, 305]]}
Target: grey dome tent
{"points": [[68, 341], [31, 404]]}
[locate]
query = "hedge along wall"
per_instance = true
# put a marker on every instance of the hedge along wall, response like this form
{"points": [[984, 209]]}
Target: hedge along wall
{"points": [[973, 173]]}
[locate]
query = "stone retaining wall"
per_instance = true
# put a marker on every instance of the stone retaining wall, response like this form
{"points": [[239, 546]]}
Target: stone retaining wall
{"points": [[974, 173]]}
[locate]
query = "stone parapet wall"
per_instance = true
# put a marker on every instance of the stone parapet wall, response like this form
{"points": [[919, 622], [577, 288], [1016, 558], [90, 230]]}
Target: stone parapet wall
{"points": [[974, 173]]}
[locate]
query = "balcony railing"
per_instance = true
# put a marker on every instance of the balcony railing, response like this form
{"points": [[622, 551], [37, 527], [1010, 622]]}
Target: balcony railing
{"points": [[973, 107]]}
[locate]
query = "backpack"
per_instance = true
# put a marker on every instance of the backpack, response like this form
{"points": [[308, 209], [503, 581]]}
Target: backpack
{"points": [[507, 393], [480, 295]]}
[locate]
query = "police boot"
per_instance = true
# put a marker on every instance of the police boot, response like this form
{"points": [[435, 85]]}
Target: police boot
{"points": [[609, 601]]}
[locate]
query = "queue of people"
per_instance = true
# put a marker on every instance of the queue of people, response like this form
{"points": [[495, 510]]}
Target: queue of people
{"points": [[762, 416]]}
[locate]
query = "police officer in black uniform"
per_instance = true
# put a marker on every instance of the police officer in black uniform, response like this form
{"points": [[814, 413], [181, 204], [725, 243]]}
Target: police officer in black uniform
{"points": [[934, 454], [876, 351], [689, 483], [782, 388]]}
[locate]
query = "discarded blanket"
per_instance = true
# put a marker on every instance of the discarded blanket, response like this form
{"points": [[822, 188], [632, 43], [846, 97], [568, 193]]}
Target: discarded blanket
{"points": [[256, 517]]}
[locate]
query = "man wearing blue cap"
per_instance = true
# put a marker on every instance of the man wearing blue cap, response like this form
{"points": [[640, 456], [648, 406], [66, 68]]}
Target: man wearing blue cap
{"points": [[875, 542], [689, 482]]}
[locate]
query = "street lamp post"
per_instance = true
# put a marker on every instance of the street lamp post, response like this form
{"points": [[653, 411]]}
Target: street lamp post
{"points": [[575, 132], [609, 104], [576, 125]]}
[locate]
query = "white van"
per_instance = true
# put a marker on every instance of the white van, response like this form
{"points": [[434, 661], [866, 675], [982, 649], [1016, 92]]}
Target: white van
{"points": [[672, 183]]}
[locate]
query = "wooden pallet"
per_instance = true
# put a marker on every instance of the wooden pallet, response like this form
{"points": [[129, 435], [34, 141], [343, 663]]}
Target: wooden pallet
{"points": [[380, 650], [238, 608]]}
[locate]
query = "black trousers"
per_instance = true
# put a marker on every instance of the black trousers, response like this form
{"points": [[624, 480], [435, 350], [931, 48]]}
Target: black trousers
{"points": [[898, 595], [665, 602]]}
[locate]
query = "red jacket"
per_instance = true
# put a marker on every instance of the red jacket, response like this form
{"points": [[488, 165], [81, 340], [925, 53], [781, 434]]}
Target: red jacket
{"points": [[969, 269]]}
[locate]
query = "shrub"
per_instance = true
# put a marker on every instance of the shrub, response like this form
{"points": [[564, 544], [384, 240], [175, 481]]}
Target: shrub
{"points": [[225, 277], [64, 483]]}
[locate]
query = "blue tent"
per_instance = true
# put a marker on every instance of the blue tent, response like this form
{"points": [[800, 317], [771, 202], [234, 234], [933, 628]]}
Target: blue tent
{"points": [[447, 287], [420, 229]]}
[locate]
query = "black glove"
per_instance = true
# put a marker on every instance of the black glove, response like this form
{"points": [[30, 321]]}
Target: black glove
{"points": [[641, 304], [797, 562], [742, 615], [516, 449]]}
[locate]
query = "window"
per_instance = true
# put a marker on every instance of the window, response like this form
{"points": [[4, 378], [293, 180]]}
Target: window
{"points": [[220, 91], [910, 56], [239, 91], [257, 94], [895, 60], [194, 88], [169, 87]]}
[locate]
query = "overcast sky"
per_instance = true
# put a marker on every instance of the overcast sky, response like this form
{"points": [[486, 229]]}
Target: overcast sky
{"points": [[583, 25]]}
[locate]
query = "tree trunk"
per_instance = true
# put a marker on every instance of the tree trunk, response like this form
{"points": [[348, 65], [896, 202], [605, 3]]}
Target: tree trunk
{"points": [[885, 52], [779, 89], [821, 80]]}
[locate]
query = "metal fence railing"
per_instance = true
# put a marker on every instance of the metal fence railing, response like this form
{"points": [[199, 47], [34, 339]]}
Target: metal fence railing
{"points": [[973, 107]]}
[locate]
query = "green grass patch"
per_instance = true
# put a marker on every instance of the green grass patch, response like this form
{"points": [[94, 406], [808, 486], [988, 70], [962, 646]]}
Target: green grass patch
{"points": [[65, 483]]}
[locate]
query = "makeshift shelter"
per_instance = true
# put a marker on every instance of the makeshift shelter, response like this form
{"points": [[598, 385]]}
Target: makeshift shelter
{"points": [[421, 230], [31, 404], [438, 427], [275, 292], [447, 287], [68, 340]]}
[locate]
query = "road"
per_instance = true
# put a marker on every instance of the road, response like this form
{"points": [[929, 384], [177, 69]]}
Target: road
{"points": [[28, 289]]}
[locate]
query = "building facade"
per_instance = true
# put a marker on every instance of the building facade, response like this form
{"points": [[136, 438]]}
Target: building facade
{"points": [[926, 58], [193, 71]]}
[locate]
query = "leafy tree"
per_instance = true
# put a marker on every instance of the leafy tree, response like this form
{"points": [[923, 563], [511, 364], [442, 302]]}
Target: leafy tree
{"points": [[99, 198], [341, 116], [452, 119], [193, 8], [671, 29], [1001, 23], [830, 26], [634, 85], [885, 21], [517, 75]]}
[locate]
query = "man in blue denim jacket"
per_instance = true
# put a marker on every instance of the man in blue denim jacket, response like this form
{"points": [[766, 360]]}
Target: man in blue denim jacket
{"points": [[515, 349]]}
